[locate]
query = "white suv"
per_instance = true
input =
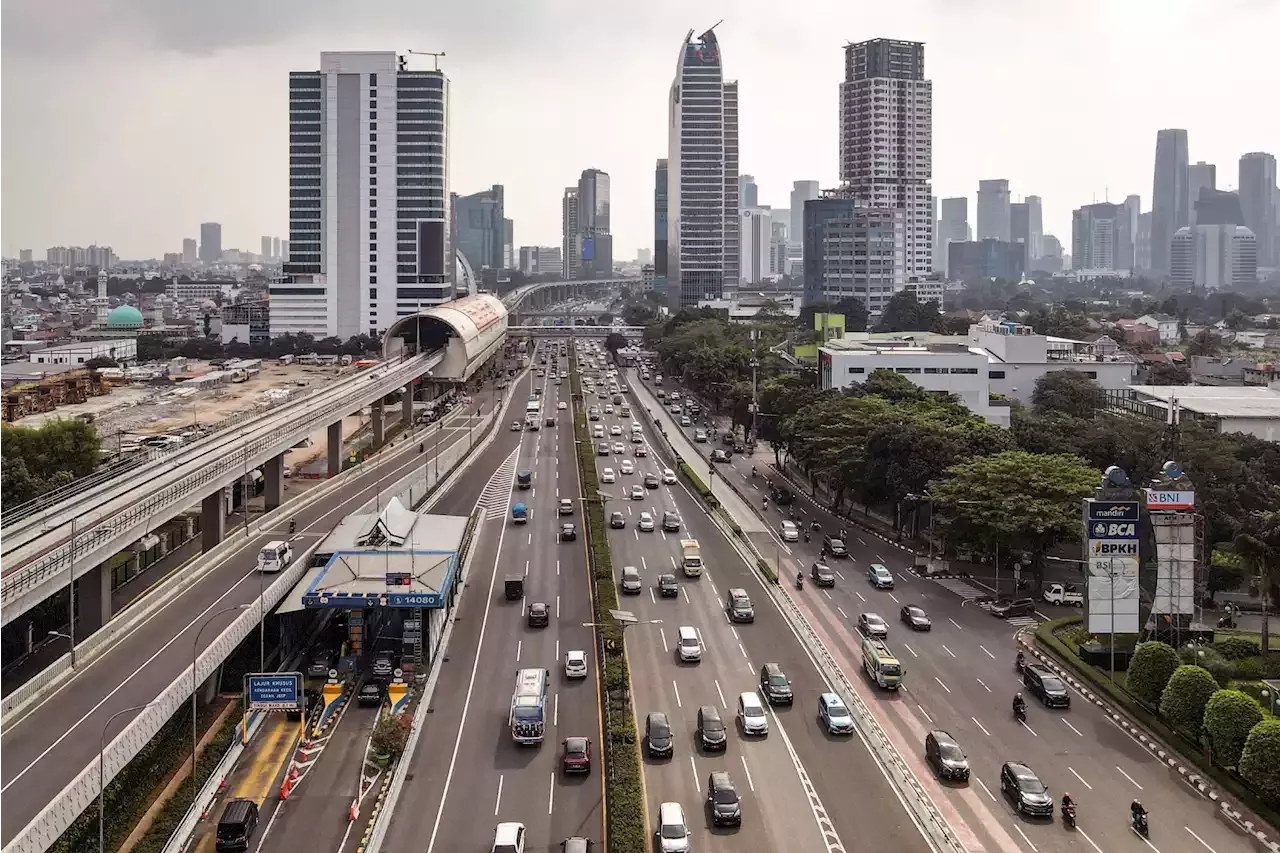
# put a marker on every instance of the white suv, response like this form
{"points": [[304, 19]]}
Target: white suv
{"points": [[575, 664], [508, 838]]}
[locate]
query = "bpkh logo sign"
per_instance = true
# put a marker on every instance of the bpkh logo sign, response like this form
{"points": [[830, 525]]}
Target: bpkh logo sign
{"points": [[1113, 530], [1114, 548], [1113, 510]]}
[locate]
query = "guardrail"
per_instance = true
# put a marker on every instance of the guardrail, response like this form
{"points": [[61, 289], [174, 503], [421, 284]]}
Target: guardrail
{"points": [[103, 536]]}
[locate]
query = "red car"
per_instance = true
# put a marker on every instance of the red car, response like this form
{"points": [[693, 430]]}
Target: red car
{"points": [[577, 755]]}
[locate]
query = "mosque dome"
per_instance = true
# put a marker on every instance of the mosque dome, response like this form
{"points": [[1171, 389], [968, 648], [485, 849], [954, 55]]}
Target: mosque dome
{"points": [[125, 317]]}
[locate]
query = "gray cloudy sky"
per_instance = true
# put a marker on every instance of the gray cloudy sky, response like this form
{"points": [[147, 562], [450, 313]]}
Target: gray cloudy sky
{"points": [[129, 122]]}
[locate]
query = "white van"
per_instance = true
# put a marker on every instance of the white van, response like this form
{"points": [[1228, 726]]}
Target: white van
{"points": [[689, 645], [673, 832], [751, 715], [275, 556]]}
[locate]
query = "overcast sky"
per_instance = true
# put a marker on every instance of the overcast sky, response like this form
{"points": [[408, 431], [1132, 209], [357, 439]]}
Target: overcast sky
{"points": [[129, 122]]}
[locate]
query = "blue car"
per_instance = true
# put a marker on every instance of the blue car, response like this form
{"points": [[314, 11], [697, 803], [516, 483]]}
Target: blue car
{"points": [[880, 576], [834, 714]]}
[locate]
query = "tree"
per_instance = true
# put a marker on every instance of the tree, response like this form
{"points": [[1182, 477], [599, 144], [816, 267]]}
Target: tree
{"points": [[604, 319], [40, 459], [615, 342], [1168, 373], [1260, 760], [853, 309], [1152, 666], [1186, 695], [638, 314], [1067, 392], [1024, 500], [904, 313], [1228, 719], [1226, 572], [1257, 555], [1205, 343], [779, 399]]}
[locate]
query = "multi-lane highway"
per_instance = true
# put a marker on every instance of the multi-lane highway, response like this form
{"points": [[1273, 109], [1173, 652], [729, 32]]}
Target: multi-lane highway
{"points": [[960, 677], [800, 788], [467, 774], [52, 743]]}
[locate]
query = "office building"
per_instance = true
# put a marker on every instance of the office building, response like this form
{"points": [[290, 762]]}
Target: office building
{"points": [[1128, 257], [1216, 207], [853, 250], [1169, 200], [190, 251], [660, 225], [1260, 201], [508, 244], [756, 235], [1142, 243], [369, 202], [978, 259], [1100, 239], [801, 191], [953, 227], [886, 139], [266, 249], [1035, 227], [1214, 257], [541, 260], [1020, 227], [275, 248], [569, 246], [595, 239], [1200, 176], [702, 169], [748, 193], [81, 257], [25, 256], [210, 242], [480, 229], [994, 222]]}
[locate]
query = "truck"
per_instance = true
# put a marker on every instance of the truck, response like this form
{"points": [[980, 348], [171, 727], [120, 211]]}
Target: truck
{"points": [[692, 563], [513, 587], [519, 514], [524, 479], [1065, 594], [529, 706], [880, 664]]}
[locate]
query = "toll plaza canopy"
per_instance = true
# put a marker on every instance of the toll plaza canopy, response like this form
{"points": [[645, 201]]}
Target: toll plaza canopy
{"points": [[392, 558], [469, 330]]}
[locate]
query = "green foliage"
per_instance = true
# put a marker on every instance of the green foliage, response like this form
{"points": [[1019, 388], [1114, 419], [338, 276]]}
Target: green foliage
{"points": [[1152, 665], [853, 309], [1228, 718], [39, 459], [1067, 392], [905, 313], [1236, 648], [1260, 761], [1026, 500], [1186, 695], [391, 734]]}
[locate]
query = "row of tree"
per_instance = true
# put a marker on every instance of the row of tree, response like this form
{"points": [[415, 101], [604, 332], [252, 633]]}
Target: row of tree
{"points": [[152, 348]]}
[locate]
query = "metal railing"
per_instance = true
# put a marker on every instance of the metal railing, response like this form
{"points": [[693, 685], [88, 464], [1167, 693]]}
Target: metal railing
{"points": [[94, 538]]}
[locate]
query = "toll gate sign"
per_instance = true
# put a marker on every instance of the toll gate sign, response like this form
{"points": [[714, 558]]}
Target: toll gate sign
{"points": [[274, 691]]}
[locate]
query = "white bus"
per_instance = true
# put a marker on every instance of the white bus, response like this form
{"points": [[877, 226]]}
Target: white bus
{"points": [[529, 706]]}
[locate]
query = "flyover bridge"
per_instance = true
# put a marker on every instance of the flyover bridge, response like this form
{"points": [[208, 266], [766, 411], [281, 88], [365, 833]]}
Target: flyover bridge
{"points": [[44, 550], [535, 297], [575, 331]]}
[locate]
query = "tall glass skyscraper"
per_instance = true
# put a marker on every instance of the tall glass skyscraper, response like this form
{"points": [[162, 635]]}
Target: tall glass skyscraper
{"points": [[660, 226]]}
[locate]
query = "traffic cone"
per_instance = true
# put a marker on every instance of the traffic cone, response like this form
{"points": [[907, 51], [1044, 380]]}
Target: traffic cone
{"points": [[355, 807]]}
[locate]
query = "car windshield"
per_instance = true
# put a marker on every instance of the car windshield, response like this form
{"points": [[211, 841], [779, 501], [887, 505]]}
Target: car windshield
{"points": [[837, 543], [778, 680], [950, 752], [1052, 684], [753, 711], [527, 714], [890, 669], [712, 725], [725, 796], [1030, 785], [659, 731], [875, 622], [836, 709], [915, 612], [576, 748], [673, 830]]}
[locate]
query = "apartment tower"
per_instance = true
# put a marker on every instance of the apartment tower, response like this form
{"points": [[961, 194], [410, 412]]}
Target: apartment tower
{"points": [[886, 139], [369, 217], [570, 247], [702, 175], [994, 215], [1170, 204]]}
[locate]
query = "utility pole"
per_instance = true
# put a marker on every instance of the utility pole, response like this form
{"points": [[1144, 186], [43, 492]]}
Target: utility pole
{"points": [[755, 398]]}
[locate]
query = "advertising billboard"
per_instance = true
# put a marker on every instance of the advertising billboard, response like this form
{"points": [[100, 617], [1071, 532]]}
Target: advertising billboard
{"points": [[1112, 549]]}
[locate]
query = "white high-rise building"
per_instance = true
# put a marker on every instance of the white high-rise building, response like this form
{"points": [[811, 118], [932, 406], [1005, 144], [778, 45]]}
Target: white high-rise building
{"points": [[757, 240], [886, 140], [368, 196], [995, 220], [702, 177]]}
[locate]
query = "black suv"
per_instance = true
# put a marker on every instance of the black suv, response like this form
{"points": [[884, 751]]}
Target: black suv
{"points": [[1045, 686], [658, 741], [539, 615], [712, 733], [667, 586], [834, 546], [1016, 607], [774, 685], [822, 574], [722, 799], [943, 752], [1021, 784]]}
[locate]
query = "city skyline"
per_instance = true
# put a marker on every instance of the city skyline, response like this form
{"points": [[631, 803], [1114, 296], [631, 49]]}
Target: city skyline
{"points": [[241, 180]]}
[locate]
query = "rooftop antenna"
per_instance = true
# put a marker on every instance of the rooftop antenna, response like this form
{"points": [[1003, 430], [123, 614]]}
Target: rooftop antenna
{"points": [[435, 56]]}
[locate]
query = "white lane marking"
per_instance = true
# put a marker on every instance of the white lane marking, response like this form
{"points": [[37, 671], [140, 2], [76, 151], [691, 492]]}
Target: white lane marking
{"points": [[860, 598], [673, 562], [557, 613], [1024, 838], [1073, 772], [839, 574], [497, 803], [827, 594], [526, 568], [947, 650], [637, 533], [557, 567], [1081, 833], [519, 645], [713, 586], [981, 726], [982, 784], [644, 563], [826, 826], [984, 648], [926, 713], [652, 597], [1130, 778], [1028, 728], [665, 647], [940, 684], [842, 613], [530, 538], [1073, 728], [720, 693], [1198, 838], [752, 785], [557, 650], [908, 648], [523, 602], [555, 710], [696, 784], [984, 684], [881, 559], [741, 649], [954, 622], [895, 598], [735, 633], [685, 590], [679, 704]]}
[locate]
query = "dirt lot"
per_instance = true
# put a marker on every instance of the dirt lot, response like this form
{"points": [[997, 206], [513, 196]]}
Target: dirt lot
{"points": [[140, 410]]}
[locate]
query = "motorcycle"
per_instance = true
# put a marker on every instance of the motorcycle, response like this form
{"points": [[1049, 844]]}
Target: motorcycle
{"points": [[1226, 622], [1020, 713], [293, 527], [1069, 815], [1019, 663], [1139, 824], [799, 580]]}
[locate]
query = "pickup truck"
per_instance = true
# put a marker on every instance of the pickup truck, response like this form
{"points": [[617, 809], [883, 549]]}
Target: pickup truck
{"points": [[1056, 593]]}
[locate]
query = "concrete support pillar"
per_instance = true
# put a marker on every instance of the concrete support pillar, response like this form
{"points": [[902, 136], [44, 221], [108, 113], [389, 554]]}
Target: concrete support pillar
{"points": [[93, 600], [273, 487], [406, 407], [213, 520], [376, 423], [335, 448]]}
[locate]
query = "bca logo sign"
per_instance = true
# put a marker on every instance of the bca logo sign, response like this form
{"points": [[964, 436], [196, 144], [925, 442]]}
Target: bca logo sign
{"points": [[1114, 530]]}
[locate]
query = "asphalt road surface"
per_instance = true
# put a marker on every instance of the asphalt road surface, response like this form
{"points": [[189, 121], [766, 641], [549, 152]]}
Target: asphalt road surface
{"points": [[960, 677], [45, 750], [801, 789], [468, 774]]}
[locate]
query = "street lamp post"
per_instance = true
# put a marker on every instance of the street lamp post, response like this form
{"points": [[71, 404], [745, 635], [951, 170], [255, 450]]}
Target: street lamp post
{"points": [[69, 638], [195, 686], [102, 772]]}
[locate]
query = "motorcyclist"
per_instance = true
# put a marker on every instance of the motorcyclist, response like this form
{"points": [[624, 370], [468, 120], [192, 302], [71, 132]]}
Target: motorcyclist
{"points": [[807, 536], [1137, 811], [800, 578], [1067, 802], [293, 526], [1020, 661], [1019, 704], [753, 471]]}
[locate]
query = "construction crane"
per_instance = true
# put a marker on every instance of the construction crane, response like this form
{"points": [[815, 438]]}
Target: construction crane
{"points": [[434, 56]]}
